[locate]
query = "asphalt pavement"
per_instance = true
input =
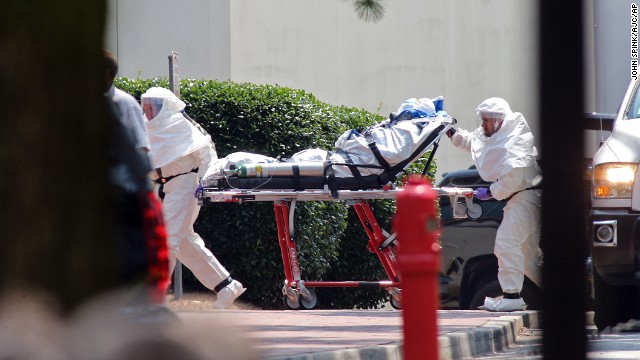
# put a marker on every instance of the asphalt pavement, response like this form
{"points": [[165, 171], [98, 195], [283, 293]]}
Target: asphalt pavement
{"points": [[363, 334]]}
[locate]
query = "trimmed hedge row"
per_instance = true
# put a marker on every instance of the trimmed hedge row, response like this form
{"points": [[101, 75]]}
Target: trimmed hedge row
{"points": [[279, 121]]}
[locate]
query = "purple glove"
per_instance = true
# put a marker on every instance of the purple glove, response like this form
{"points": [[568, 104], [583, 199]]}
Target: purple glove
{"points": [[199, 190], [483, 194]]}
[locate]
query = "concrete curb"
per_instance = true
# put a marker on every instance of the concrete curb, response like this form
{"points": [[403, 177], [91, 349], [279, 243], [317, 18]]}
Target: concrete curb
{"points": [[494, 336], [380, 352]]}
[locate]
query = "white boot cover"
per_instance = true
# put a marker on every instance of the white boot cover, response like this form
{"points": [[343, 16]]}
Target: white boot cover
{"points": [[228, 294], [501, 304]]}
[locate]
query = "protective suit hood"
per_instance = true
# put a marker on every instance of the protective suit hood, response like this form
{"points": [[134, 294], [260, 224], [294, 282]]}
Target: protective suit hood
{"points": [[171, 135], [512, 146], [170, 103], [493, 106]]}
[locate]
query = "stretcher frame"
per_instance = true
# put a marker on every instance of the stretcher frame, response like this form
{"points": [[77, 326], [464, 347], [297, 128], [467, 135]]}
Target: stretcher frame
{"points": [[296, 292], [380, 242]]}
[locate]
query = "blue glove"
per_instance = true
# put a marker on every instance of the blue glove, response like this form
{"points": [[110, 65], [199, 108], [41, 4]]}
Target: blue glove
{"points": [[199, 190], [483, 194]]}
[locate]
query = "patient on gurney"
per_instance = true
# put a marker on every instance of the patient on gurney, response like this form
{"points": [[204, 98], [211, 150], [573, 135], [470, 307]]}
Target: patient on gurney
{"points": [[361, 160]]}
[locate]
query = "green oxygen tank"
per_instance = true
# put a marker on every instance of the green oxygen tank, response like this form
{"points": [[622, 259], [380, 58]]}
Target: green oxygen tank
{"points": [[253, 170]]}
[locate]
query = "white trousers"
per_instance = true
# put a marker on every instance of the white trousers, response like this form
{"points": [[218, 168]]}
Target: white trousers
{"points": [[517, 242], [180, 209]]}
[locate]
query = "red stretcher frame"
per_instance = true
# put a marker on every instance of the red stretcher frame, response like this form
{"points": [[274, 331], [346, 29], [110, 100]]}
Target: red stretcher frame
{"points": [[296, 293]]}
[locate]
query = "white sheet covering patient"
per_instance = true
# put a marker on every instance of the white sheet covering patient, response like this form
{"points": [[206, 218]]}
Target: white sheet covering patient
{"points": [[397, 138]]}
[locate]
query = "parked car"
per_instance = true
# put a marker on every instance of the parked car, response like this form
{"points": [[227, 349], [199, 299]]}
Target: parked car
{"points": [[469, 270], [614, 218]]}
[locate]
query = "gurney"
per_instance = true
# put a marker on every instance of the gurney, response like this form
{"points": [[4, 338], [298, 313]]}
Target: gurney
{"points": [[286, 183]]}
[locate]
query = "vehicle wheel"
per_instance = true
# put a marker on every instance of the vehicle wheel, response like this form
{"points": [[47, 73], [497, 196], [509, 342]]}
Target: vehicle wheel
{"points": [[613, 304], [289, 304], [310, 302], [531, 294]]}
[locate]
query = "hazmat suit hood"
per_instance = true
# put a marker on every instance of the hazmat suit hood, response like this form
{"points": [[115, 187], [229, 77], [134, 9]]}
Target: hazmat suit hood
{"points": [[512, 146], [171, 134]]}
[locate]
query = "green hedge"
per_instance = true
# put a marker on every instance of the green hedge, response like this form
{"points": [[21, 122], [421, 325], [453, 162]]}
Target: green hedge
{"points": [[279, 121]]}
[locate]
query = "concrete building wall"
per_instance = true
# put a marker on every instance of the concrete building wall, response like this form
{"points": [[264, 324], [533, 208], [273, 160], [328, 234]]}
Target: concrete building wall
{"points": [[464, 51], [142, 33]]}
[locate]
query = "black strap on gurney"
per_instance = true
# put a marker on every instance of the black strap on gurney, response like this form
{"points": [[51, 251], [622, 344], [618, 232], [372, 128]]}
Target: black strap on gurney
{"points": [[376, 152]]}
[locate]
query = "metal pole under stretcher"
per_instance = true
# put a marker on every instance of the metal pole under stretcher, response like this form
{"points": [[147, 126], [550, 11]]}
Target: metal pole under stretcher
{"points": [[174, 86]]}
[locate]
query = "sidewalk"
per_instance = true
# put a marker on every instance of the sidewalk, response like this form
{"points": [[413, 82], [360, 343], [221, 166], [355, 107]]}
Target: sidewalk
{"points": [[364, 334]]}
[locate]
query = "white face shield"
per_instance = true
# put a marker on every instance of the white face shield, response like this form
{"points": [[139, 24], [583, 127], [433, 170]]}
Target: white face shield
{"points": [[157, 99], [151, 106], [490, 122]]}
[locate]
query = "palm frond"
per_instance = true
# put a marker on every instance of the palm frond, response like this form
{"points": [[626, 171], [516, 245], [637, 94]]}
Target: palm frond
{"points": [[369, 10]]}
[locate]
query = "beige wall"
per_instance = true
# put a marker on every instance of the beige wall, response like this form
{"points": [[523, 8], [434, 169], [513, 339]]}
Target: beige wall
{"points": [[465, 51], [142, 33]]}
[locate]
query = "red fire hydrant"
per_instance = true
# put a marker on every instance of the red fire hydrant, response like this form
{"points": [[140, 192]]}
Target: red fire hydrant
{"points": [[417, 226]]}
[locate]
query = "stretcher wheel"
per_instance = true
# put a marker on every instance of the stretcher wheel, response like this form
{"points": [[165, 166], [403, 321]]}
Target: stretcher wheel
{"points": [[395, 298], [290, 304], [475, 211], [309, 302], [396, 304]]}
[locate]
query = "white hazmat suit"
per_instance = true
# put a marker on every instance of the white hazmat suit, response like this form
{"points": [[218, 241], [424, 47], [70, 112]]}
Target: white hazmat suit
{"points": [[507, 157], [181, 154]]}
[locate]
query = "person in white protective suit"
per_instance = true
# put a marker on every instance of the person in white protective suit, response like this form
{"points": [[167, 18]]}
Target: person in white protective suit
{"points": [[181, 154], [503, 150]]}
